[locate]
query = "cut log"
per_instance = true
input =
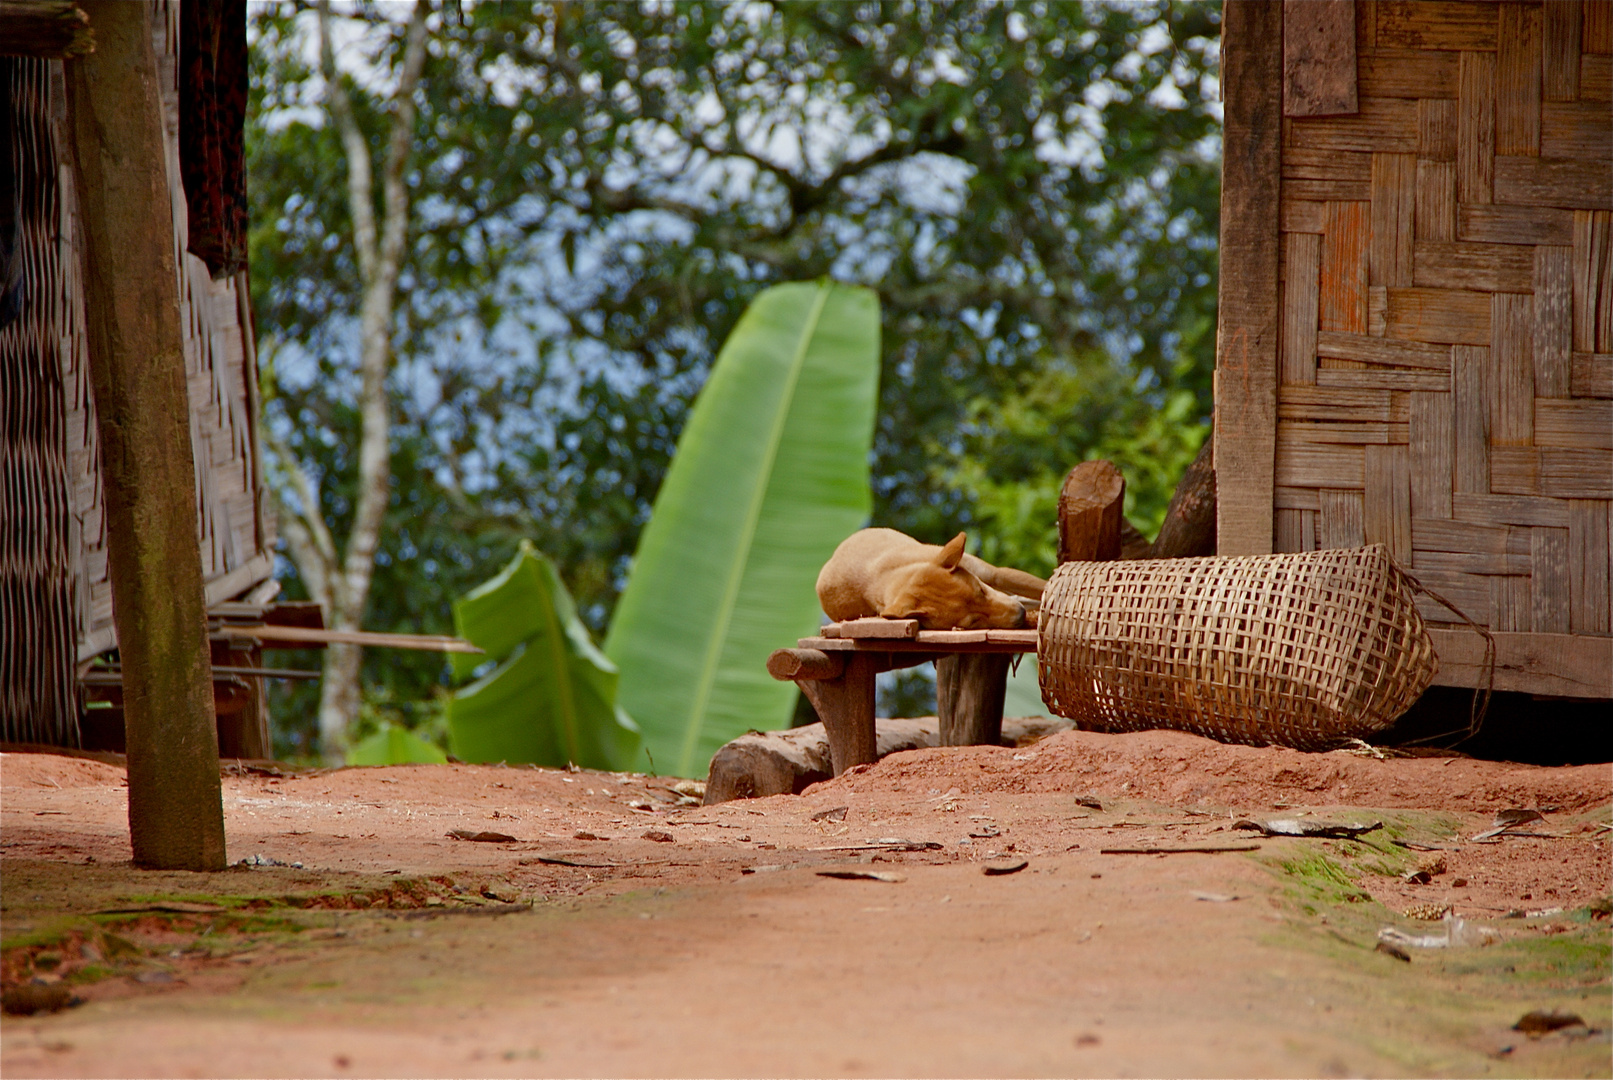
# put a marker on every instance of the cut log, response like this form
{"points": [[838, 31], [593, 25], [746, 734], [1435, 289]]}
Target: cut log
{"points": [[1189, 528], [969, 690], [1090, 504], [787, 762]]}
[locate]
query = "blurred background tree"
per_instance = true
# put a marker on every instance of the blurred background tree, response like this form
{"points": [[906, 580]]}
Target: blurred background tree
{"points": [[598, 190]]}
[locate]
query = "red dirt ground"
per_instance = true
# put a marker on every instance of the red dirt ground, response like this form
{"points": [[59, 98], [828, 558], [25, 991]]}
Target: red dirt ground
{"points": [[722, 951]]}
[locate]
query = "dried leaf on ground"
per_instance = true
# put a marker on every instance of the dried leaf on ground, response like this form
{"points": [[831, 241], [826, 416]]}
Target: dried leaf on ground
{"points": [[30, 998], [999, 869], [864, 875], [484, 837], [1538, 1022]]}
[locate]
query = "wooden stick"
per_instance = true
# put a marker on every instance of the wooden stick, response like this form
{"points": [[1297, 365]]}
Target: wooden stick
{"points": [[295, 637], [1177, 850]]}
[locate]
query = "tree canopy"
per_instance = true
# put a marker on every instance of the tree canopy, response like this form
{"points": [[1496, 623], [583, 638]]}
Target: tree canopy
{"points": [[599, 190]]}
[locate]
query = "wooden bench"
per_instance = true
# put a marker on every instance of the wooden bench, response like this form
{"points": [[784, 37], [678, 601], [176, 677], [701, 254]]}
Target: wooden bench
{"points": [[836, 671]]}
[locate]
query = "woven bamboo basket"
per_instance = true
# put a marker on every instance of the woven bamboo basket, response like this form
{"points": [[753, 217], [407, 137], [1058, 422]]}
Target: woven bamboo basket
{"points": [[1306, 650]]}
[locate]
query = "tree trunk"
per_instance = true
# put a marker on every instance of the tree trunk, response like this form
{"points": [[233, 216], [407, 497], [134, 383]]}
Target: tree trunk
{"points": [[380, 250], [137, 367], [1189, 528]]}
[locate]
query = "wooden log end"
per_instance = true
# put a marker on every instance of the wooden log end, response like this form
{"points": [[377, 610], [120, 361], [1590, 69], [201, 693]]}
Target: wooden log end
{"points": [[810, 664], [1090, 505]]}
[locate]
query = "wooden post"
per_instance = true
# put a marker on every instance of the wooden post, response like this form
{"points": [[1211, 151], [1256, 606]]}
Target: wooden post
{"points": [[969, 690], [1247, 329], [137, 369], [1090, 512], [846, 706], [243, 730]]}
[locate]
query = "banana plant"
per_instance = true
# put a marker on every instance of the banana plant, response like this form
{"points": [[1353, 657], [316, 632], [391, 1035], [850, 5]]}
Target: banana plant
{"points": [[550, 698], [770, 473], [393, 745]]}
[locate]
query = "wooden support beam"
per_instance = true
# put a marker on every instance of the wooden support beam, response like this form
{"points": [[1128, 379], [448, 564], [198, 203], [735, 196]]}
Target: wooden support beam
{"points": [[969, 689], [1247, 330], [846, 707], [137, 368]]}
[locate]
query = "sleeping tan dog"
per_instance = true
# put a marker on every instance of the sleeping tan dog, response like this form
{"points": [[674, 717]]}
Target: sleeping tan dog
{"points": [[884, 572]]}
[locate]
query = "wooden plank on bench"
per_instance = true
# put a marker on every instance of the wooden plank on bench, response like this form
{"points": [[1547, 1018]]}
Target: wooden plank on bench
{"points": [[874, 629]]}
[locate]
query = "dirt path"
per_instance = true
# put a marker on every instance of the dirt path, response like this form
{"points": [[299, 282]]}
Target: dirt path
{"points": [[396, 950]]}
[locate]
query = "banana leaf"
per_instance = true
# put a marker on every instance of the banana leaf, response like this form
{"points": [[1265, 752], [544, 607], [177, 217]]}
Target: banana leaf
{"points": [[393, 745], [771, 472], [551, 698]]}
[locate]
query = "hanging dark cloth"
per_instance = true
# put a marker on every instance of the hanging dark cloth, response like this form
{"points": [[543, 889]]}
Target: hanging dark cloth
{"points": [[212, 120], [10, 197]]}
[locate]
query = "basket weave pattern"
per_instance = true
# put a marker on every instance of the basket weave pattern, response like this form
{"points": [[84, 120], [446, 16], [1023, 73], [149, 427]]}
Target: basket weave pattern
{"points": [[1304, 650]]}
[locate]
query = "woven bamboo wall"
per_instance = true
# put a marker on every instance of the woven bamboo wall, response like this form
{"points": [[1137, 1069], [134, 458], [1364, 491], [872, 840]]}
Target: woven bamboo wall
{"points": [[55, 597], [38, 541], [235, 541], [1445, 341]]}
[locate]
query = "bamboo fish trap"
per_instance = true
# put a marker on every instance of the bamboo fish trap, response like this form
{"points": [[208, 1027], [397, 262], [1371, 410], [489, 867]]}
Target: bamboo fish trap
{"points": [[1305, 650]]}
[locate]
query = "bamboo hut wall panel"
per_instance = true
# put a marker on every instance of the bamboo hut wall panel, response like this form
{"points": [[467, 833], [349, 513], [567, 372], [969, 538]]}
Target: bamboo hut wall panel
{"points": [[1446, 355], [38, 531], [236, 540]]}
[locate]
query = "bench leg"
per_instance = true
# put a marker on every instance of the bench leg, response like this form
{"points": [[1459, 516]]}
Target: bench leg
{"points": [[846, 706], [969, 690]]}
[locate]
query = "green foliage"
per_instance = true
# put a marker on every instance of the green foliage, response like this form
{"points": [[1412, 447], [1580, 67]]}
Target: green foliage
{"points": [[770, 474], [600, 191], [551, 699], [394, 746], [1018, 449]]}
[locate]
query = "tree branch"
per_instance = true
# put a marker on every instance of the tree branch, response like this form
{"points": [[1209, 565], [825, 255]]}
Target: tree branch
{"points": [[353, 146]]}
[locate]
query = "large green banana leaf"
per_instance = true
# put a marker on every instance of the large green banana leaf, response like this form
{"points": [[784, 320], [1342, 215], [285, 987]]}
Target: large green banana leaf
{"points": [[552, 698], [394, 746], [771, 472]]}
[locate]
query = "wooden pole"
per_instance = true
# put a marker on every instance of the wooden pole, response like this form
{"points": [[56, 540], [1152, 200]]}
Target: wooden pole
{"points": [[1248, 323], [137, 369], [969, 689], [846, 706]]}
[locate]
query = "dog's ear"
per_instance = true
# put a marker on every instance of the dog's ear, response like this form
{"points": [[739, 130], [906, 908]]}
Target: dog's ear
{"points": [[952, 553]]}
